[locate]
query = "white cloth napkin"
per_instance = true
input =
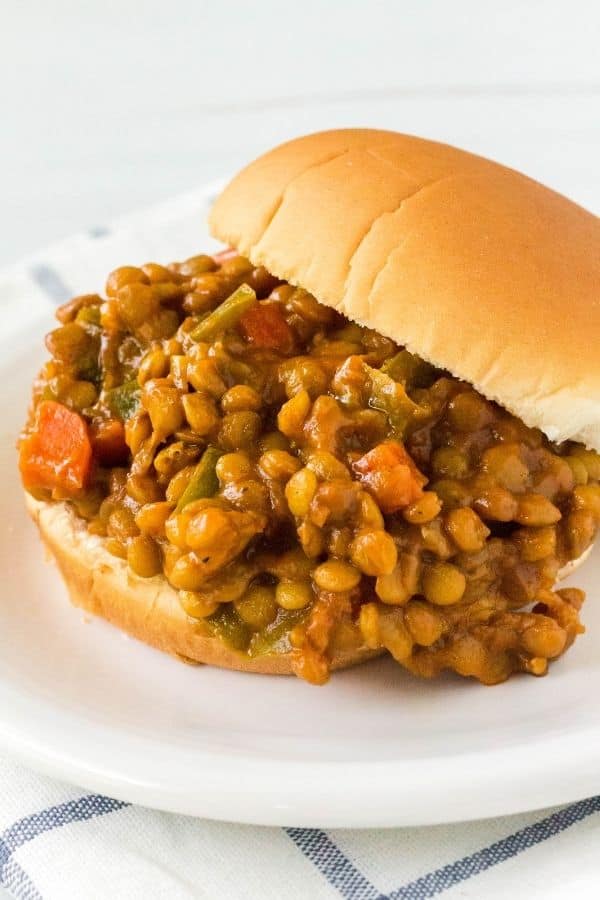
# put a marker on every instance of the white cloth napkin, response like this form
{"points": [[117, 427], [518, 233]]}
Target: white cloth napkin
{"points": [[63, 843], [59, 842]]}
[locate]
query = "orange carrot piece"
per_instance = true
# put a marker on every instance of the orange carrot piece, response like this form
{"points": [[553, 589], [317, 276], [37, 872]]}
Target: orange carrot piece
{"points": [[263, 325], [390, 475], [57, 452]]}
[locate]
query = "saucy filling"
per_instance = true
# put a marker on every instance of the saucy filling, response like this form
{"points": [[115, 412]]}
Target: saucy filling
{"points": [[305, 483]]}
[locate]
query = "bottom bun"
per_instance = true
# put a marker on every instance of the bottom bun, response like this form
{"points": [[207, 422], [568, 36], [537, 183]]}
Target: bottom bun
{"points": [[145, 608]]}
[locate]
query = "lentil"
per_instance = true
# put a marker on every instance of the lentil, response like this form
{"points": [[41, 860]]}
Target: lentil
{"points": [[336, 576], [257, 607], [293, 594], [444, 584]]}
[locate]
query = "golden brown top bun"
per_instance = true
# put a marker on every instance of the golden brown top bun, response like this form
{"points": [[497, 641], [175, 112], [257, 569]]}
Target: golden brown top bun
{"points": [[471, 265], [145, 608]]}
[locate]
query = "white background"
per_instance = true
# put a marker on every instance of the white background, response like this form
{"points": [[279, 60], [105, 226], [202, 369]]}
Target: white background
{"points": [[107, 106]]}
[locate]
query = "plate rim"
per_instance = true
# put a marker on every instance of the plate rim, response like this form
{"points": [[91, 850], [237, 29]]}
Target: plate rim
{"points": [[313, 794]]}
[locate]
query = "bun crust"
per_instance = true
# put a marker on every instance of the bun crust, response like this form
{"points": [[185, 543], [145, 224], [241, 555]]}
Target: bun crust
{"points": [[145, 608], [471, 265]]}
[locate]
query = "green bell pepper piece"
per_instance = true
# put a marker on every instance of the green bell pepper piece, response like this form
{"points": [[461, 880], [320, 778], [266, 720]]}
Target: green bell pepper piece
{"points": [[275, 637], [226, 315], [409, 370], [390, 397], [123, 401], [204, 481]]}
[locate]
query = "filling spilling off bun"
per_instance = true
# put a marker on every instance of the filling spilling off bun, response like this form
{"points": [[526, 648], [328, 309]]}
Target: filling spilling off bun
{"points": [[370, 426]]}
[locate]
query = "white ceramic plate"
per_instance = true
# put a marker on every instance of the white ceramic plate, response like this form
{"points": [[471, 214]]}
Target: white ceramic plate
{"points": [[80, 701]]}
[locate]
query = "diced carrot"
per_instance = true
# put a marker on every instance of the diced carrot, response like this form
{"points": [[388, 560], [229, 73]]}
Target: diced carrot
{"points": [[383, 456], [223, 255], [108, 442], [57, 452], [263, 325], [390, 475]]}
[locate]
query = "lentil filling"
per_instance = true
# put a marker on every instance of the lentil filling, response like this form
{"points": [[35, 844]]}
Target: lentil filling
{"points": [[303, 482]]}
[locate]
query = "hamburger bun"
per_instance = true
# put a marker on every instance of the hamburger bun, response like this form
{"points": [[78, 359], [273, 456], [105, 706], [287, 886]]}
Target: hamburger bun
{"points": [[144, 608], [472, 266]]}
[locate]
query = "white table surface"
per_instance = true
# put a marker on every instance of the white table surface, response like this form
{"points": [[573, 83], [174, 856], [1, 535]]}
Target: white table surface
{"points": [[110, 105]]}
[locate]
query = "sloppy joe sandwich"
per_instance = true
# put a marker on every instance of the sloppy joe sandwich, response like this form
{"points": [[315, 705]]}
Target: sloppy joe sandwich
{"points": [[368, 426]]}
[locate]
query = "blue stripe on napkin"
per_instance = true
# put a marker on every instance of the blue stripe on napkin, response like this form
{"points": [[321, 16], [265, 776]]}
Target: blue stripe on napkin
{"points": [[51, 282], [17, 881], [316, 845], [98, 231], [30, 827], [333, 864], [353, 885], [441, 879]]}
